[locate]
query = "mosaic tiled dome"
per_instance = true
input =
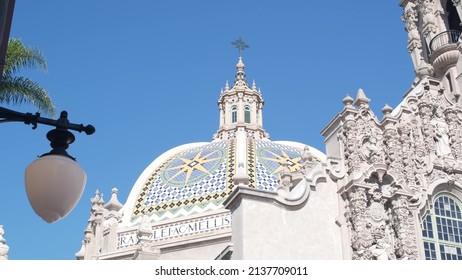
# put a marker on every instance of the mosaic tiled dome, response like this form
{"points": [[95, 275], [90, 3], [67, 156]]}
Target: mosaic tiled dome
{"points": [[198, 177]]}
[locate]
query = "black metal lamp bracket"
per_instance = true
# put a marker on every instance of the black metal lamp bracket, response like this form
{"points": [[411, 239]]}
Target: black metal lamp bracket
{"points": [[59, 137]]}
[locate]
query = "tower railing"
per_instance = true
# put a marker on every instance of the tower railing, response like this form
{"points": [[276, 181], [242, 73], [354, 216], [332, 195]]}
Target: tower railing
{"points": [[444, 38]]}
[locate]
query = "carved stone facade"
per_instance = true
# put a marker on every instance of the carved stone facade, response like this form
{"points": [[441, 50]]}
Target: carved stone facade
{"points": [[390, 172], [381, 165], [390, 166]]}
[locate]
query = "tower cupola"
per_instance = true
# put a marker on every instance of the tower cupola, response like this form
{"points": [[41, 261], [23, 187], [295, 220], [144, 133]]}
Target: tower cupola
{"points": [[240, 108]]}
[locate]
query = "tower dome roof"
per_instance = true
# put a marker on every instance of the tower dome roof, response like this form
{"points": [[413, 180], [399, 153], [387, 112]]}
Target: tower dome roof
{"points": [[198, 177]]}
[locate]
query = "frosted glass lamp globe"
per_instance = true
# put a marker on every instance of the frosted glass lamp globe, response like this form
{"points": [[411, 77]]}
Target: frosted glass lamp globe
{"points": [[54, 185]]}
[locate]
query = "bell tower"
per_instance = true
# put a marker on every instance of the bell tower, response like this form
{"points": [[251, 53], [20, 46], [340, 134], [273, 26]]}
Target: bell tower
{"points": [[434, 29]]}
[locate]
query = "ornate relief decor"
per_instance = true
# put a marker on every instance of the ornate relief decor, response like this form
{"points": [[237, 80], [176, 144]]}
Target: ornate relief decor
{"points": [[391, 164], [428, 17], [381, 225], [410, 18]]}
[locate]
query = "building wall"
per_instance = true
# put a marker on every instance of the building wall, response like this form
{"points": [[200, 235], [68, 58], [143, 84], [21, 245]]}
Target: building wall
{"points": [[265, 228]]}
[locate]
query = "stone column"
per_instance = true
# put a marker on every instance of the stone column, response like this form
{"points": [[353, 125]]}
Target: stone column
{"points": [[429, 25], [405, 229], [361, 231]]}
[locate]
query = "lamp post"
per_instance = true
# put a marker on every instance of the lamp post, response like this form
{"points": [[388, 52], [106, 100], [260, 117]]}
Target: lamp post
{"points": [[54, 181]]}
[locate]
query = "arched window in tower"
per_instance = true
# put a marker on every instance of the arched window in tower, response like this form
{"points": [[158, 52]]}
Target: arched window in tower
{"points": [[247, 114], [234, 114], [442, 229], [453, 17]]}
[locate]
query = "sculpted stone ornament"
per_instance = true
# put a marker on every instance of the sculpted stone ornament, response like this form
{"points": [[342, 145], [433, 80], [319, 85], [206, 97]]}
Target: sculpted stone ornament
{"points": [[372, 231], [405, 229], [455, 137], [371, 137], [393, 152], [146, 250], [441, 136], [3, 247], [429, 19], [425, 111], [307, 158], [286, 177], [144, 232], [382, 250], [362, 137], [376, 207], [410, 18], [371, 150], [351, 149], [361, 230]]}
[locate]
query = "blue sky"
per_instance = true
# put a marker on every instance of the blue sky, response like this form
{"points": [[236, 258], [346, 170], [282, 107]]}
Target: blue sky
{"points": [[148, 74]]}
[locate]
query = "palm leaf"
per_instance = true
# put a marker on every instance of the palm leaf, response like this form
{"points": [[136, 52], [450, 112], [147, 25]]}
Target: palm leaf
{"points": [[17, 90], [19, 56]]}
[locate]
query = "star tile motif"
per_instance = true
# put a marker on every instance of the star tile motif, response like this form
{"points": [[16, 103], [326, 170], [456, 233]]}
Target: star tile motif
{"points": [[293, 162], [197, 163]]}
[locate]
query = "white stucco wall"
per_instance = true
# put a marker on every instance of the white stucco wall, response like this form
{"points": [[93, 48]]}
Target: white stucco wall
{"points": [[265, 230]]}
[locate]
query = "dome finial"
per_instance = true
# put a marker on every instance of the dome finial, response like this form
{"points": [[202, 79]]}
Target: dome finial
{"points": [[241, 45], [240, 66], [240, 73]]}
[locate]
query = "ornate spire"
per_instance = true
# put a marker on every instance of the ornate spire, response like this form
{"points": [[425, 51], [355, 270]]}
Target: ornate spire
{"points": [[94, 200], [240, 67], [240, 105], [240, 78], [361, 98], [113, 204]]}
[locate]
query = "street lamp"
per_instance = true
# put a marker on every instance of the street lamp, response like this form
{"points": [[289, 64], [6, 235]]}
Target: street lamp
{"points": [[54, 181]]}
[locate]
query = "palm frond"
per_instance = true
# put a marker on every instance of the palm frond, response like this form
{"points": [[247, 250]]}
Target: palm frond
{"points": [[19, 56], [18, 90]]}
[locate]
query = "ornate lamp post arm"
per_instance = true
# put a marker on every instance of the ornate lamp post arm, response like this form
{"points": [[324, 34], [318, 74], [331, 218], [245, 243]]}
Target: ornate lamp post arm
{"points": [[7, 115]]}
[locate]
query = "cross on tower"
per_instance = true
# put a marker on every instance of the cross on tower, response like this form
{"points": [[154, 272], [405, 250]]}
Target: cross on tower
{"points": [[240, 44]]}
